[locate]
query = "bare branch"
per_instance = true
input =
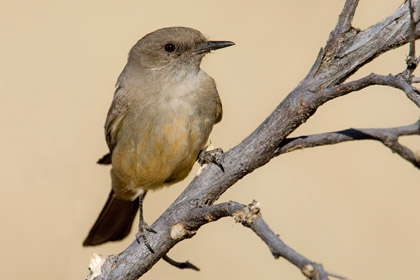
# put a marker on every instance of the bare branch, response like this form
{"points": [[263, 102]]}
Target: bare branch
{"points": [[415, 80], [387, 136], [411, 60], [360, 47], [412, 33], [250, 216], [346, 17], [180, 265], [396, 81], [279, 249], [202, 215], [416, 14], [343, 25], [335, 275], [341, 57]]}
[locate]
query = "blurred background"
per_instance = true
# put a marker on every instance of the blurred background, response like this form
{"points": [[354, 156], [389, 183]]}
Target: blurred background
{"points": [[353, 207]]}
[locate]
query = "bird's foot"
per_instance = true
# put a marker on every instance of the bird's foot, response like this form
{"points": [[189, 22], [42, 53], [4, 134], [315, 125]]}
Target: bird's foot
{"points": [[143, 227], [211, 156]]}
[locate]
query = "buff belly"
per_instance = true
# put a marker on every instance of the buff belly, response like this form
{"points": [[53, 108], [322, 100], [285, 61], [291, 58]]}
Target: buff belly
{"points": [[156, 154]]}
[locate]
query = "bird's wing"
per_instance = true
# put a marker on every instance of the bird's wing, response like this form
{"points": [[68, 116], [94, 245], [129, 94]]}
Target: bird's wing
{"points": [[116, 114], [219, 110]]}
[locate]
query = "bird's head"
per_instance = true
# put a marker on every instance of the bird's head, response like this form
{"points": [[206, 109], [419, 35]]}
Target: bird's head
{"points": [[173, 46]]}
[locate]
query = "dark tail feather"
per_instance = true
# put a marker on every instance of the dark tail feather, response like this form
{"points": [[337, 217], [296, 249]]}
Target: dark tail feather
{"points": [[115, 221], [106, 159]]}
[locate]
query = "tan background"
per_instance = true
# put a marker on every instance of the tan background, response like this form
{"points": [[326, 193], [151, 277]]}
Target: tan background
{"points": [[353, 207]]}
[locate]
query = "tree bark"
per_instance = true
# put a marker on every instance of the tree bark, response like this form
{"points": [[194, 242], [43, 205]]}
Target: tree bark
{"points": [[347, 50]]}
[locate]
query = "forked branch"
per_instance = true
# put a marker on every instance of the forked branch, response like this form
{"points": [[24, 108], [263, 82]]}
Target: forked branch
{"points": [[347, 50]]}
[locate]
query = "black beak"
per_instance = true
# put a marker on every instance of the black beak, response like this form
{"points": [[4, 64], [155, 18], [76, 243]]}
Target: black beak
{"points": [[212, 45]]}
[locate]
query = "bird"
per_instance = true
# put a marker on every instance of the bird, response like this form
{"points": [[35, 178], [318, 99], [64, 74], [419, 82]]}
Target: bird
{"points": [[163, 110]]}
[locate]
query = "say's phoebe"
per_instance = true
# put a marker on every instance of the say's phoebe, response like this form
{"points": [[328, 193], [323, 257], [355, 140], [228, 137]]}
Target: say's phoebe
{"points": [[163, 111]]}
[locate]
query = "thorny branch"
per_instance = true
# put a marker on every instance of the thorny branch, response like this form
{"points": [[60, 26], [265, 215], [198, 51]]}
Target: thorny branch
{"points": [[346, 51]]}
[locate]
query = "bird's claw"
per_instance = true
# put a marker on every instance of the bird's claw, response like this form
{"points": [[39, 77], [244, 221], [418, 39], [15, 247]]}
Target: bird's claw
{"points": [[213, 156], [143, 227]]}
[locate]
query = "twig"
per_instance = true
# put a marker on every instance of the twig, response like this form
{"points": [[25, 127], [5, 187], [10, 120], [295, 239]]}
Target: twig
{"points": [[411, 60], [250, 216], [203, 215], [278, 248], [415, 80], [387, 136], [395, 81], [335, 275], [343, 24], [346, 17], [412, 32], [180, 265]]}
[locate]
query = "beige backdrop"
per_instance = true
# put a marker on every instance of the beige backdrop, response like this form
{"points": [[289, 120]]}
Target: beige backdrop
{"points": [[353, 207]]}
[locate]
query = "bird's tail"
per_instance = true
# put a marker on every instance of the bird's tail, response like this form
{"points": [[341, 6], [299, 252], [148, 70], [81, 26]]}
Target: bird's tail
{"points": [[115, 221]]}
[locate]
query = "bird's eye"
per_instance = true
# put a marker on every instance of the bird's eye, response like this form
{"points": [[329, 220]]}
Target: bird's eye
{"points": [[169, 47]]}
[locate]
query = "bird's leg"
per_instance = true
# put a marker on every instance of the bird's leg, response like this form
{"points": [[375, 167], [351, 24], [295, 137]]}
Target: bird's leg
{"points": [[143, 225], [211, 156]]}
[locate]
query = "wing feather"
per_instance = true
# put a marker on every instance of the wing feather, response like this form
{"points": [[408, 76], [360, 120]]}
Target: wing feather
{"points": [[116, 114]]}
